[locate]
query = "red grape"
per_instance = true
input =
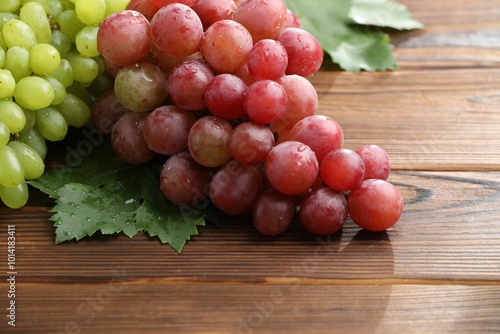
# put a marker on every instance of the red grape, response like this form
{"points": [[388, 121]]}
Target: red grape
{"points": [[225, 46], [208, 141], [211, 11], [305, 53], [140, 87], [176, 30], [342, 169], [183, 181], [267, 60], [272, 212], [262, 18], [250, 143], [166, 129], [265, 101], [145, 7], [323, 212], [321, 133], [376, 160], [224, 96], [188, 82], [235, 187], [302, 101], [127, 139], [106, 110], [375, 205], [124, 37], [291, 167]]}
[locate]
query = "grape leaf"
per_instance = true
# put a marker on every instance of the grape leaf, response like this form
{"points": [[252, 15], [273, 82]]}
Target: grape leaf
{"points": [[346, 30], [98, 192], [382, 13]]}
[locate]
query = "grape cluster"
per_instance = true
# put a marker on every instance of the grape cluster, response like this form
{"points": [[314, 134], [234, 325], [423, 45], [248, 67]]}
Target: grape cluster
{"points": [[219, 88], [49, 70]]}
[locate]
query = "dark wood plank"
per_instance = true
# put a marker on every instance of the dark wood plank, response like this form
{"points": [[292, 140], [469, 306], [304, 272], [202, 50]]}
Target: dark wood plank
{"points": [[426, 120], [121, 307], [448, 233]]}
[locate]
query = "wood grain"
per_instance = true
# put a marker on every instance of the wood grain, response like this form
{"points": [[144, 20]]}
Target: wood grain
{"points": [[436, 271], [256, 308]]}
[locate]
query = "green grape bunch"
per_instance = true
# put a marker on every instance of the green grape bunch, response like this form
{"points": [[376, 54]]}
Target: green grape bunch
{"points": [[50, 70]]}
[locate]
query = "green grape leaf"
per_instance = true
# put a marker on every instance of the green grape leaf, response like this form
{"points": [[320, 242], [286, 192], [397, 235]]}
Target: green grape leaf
{"points": [[383, 13], [349, 30], [98, 192]]}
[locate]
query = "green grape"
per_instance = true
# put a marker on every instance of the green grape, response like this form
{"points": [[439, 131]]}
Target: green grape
{"points": [[3, 44], [11, 170], [30, 121], [6, 16], [115, 6], [59, 89], [4, 134], [35, 16], [54, 10], [61, 42], [64, 73], [51, 124], [81, 92], [12, 115], [86, 41], [100, 62], [45, 3], [17, 62], [2, 56], [32, 163], [85, 70], [70, 24], [44, 59], [15, 197], [18, 33], [75, 111], [34, 139], [9, 5], [7, 84], [34, 93], [100, 85], [91, 12], [67, 4]]}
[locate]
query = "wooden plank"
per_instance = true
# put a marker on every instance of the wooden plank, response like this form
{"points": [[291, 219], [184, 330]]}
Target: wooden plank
{"points": [[447, 234], [128, 307], [426, 120]]}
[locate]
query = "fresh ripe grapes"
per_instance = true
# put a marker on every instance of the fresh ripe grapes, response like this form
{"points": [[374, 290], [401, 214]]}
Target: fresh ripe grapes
{"points": [[218, 88], [235, 187], [224, 96], [376, 160], [292, 167], [321, 133], [342, 169], [225, 46], [272, 212], [140, 87], [375, 205], [187, 84], [176, 30], [324, 211], [265, 101], [128, 141], [208, 141], [124, 38], [183, 181], [166, 129]]}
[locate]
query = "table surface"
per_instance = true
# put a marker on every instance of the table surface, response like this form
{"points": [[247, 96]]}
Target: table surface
{"points": [[436, 271]]}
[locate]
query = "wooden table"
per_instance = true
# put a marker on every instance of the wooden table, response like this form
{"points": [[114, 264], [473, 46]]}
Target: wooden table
{"points": [[436, 271]]}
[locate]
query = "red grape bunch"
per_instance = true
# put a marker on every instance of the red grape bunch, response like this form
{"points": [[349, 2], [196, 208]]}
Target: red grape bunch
{"points": [[219, 88]]}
